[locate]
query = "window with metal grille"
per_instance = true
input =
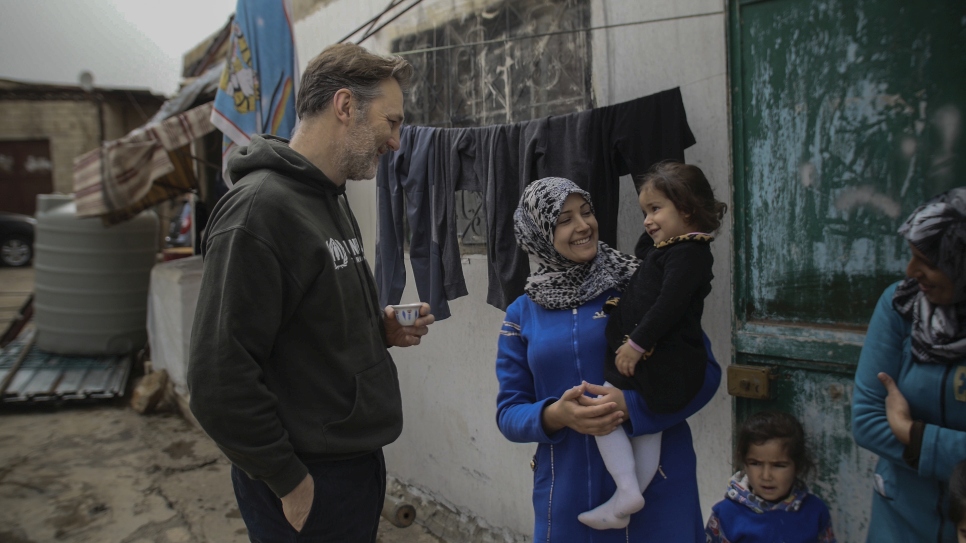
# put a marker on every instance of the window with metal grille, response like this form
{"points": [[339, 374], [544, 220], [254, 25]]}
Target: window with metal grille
{"points": [[513, 61]]}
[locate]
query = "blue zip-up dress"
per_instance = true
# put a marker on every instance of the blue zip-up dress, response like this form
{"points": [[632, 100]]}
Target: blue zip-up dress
{"points": [[908, 505], [542, 353]]}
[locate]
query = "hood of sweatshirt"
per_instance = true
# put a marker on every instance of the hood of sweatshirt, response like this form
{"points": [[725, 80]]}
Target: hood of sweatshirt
{"points": [[739, 492], [273, 153]]}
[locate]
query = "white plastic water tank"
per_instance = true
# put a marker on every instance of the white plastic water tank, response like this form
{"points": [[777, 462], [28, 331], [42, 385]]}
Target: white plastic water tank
{"points": [[91, 281]]}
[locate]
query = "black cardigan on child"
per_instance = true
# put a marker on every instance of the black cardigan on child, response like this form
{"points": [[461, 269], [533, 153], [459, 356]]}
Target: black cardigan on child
{"points": [[661, 309]]}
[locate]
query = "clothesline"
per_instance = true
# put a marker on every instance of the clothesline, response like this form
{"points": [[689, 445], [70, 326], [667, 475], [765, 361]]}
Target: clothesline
{"points": [[553, 33], [417, 183]]}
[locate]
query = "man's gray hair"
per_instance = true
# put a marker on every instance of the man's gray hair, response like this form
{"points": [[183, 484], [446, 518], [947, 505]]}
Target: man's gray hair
{"points": [[347, 66]]}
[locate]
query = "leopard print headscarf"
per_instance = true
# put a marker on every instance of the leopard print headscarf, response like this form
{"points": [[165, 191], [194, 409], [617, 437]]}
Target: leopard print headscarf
{"points": [[560, 283]]}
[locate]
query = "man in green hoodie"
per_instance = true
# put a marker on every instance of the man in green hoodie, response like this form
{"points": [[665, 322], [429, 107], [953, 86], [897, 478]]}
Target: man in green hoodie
{"points": [[289, 370]]}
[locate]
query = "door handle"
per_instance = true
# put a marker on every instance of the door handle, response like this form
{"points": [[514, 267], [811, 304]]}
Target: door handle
{"points": [[752, 382]]}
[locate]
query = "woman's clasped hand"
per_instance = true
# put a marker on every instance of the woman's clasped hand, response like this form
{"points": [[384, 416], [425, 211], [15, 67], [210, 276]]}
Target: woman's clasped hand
{"points": [[594, 415]]}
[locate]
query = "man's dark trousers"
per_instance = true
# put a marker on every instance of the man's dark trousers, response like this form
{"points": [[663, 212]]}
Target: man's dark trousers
{"points": [[348, 501]]}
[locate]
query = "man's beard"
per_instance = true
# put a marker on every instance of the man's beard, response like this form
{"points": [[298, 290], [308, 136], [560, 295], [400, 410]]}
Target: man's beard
{"points": [[358, 157]]}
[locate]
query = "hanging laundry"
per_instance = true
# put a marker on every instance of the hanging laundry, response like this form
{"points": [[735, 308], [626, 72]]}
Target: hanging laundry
{"points": [[594, 148], [495, 161], [404, 186]]}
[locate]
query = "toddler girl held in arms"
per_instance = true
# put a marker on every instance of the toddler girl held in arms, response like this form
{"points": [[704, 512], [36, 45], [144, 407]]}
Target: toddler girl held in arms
{"points": [[654, 337]]}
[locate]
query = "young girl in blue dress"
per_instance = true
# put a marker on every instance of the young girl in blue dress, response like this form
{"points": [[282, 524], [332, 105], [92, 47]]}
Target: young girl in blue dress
{"points": [[654, 336], [767, 500]]}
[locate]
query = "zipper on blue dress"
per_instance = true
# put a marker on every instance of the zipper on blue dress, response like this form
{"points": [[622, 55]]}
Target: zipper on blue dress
{"points": [[573, 342], [550, 500]]}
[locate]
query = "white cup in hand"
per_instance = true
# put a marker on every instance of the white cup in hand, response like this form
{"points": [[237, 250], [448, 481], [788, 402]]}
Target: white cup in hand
{"points": [[406, 314]]}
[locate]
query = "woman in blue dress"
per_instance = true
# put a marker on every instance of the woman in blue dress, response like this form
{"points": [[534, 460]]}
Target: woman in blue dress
{"points": [[551, 348]]}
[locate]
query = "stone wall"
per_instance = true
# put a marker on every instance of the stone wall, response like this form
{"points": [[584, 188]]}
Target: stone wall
{"points": [[71, 126]]}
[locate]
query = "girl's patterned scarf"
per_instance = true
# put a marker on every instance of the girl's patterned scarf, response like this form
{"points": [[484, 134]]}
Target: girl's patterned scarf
{"points": [[560, 283], [938, 230], [693, 236], [738, 491]]}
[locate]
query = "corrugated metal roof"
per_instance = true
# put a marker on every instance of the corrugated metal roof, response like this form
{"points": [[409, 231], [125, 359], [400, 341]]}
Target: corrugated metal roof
{"points": [[32, 375]]}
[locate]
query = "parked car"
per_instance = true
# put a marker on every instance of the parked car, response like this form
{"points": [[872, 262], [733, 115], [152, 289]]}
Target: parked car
{"points": [[16, 239]]}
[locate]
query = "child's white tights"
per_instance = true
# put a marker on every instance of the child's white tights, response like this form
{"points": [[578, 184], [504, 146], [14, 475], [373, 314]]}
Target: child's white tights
{"points": [[632, 462]]}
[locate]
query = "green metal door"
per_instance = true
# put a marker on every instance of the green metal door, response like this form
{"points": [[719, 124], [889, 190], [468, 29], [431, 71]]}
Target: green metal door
{"points": [[846, 115]]}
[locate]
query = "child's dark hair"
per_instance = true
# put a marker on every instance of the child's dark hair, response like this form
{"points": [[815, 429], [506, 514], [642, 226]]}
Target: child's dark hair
{"points": [[767, 425], [957, 493], [688, 189]]}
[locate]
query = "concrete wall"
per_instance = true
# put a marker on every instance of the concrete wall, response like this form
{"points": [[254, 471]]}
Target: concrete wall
{"points": [[71, 126], [451, 450]]}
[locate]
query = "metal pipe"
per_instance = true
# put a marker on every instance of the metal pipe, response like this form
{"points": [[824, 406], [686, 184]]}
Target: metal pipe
{"points": [[399, 513]]}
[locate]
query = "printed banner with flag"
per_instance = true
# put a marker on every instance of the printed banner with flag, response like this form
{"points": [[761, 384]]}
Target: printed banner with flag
{"points": [[256, 94]]}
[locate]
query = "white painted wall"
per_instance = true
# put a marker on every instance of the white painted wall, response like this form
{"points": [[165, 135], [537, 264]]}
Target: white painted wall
{"points": [[450, 446]]}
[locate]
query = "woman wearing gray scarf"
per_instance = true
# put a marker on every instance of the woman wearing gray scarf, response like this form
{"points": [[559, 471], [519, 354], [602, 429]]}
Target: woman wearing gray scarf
{"points": [[551, 348], [916, 343]]}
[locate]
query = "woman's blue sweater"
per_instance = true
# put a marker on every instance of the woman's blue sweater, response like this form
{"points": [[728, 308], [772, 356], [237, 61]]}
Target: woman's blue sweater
{"points": [[908, 504], [542, 353]]}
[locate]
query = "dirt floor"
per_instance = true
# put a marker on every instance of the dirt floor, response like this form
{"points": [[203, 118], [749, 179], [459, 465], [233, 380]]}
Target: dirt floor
{"points": [[103, 473]]}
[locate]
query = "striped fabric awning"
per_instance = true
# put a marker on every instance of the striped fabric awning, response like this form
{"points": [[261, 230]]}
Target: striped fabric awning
{"points": [[150, 165]]}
